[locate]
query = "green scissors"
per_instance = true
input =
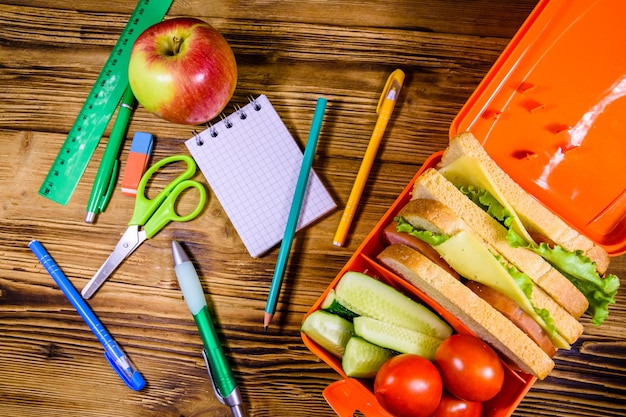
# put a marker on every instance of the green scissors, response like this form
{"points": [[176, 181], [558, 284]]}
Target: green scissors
{"points": [[152, 214]]}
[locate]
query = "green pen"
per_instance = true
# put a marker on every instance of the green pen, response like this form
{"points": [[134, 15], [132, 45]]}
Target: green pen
{"points": [[109, 166], [221, 375]]}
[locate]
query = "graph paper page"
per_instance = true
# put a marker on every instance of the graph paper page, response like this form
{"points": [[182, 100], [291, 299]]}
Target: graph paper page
{"points": [[251, 163]]}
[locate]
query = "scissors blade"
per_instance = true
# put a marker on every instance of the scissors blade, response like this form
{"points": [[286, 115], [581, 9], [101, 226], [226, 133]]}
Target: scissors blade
{"points": [[130, 240]]}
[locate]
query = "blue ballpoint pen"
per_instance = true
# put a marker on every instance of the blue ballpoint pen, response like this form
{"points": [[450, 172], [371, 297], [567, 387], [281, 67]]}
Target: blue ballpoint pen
{"points": [[112, 352], [221, 375]]}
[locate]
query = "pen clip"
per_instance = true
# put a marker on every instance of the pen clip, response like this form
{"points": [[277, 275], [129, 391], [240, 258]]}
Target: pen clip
{"points": [[394, 82], [104, 201], [134, 382], [233, 400], [219, 396]]}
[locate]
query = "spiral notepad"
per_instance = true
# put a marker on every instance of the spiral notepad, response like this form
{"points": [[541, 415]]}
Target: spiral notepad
{"points": [[251, 163]]}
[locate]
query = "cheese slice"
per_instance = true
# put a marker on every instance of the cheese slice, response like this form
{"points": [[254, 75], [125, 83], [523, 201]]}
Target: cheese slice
{"points": [[468, 256], [467, 171]]}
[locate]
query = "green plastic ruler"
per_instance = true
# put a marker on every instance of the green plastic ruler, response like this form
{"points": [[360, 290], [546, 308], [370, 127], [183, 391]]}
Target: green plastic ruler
{"points": [[92, 121]]}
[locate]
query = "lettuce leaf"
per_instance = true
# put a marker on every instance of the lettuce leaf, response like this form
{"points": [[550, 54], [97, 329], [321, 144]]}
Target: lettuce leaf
{"points": [[427, 236], [599, 291], [485, 200], [526, 285], [579, 269]]}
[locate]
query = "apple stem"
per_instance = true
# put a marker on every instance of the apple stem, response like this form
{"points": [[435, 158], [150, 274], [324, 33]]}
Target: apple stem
{"points": [[177, 44]]}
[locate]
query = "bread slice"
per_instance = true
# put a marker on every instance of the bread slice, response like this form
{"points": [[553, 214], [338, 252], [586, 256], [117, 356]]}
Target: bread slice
{"points": [[480, 317], [433, 215], [431, 184], [536, 217]]}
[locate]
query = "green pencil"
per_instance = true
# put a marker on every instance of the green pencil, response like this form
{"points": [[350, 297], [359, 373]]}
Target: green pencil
{"points": [[294, 212]]}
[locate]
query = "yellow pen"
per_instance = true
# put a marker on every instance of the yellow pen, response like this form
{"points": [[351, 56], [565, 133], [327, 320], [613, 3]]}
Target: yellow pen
{"points": [[385, 107]]}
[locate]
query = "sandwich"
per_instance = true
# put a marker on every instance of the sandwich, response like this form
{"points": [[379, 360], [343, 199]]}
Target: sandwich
{"points": [[433, 185], [530, 225], [474, 312], [514, 273], [513, 299]]}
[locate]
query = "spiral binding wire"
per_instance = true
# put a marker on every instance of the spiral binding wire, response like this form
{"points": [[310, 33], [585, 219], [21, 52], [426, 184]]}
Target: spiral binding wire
{"points": [[226, 121], [239, 111], [199, 140], [255, 104]]}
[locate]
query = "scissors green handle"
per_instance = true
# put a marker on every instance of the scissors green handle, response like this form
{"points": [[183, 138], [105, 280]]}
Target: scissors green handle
{"points": [[155, 213]]}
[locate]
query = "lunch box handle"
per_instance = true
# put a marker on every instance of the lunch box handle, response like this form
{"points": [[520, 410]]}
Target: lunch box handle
{"points": [[348, 396]]}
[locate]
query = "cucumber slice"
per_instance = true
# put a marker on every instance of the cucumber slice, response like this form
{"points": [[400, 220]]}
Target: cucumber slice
{"points": [[369, 297], [363, 359], [328, 330], [396, 338], [331, 305]]}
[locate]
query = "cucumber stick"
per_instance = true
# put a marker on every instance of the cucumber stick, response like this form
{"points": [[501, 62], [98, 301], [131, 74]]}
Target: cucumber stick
{"points": [[328, 330], [363, 359], [369, 297], [396, 338], [331, 305]]}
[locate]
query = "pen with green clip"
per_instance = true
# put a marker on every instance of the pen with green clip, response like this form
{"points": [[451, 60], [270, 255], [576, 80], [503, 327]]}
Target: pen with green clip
{"points": [[109, 166], [221, 375]]}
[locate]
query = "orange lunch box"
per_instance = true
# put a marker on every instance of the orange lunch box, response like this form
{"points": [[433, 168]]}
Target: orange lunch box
{"points": [[548, 112]]}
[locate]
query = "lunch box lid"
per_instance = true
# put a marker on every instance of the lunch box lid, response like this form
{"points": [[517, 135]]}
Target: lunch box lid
{"points": [[552, 113]]}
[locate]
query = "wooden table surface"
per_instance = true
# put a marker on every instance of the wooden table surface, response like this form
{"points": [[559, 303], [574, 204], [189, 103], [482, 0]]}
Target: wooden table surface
{"points": [[51, 52]]}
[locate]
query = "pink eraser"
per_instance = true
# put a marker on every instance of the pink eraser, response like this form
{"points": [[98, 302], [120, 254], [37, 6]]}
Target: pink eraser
{"points": [[140, 150]]}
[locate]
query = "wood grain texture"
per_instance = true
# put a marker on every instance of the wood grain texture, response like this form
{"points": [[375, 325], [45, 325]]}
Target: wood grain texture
{"points": [[51, 51]]}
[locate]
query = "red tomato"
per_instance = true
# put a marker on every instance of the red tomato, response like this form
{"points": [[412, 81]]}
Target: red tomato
{"points": [[470, 369], [408, 385], [451, 406]]}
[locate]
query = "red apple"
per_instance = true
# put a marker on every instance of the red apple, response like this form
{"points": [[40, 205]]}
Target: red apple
{"points": [[182, 70]]}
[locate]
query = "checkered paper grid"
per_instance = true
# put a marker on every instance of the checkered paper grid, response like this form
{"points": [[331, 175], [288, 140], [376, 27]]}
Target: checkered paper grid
{"points": [[252, 166]]}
